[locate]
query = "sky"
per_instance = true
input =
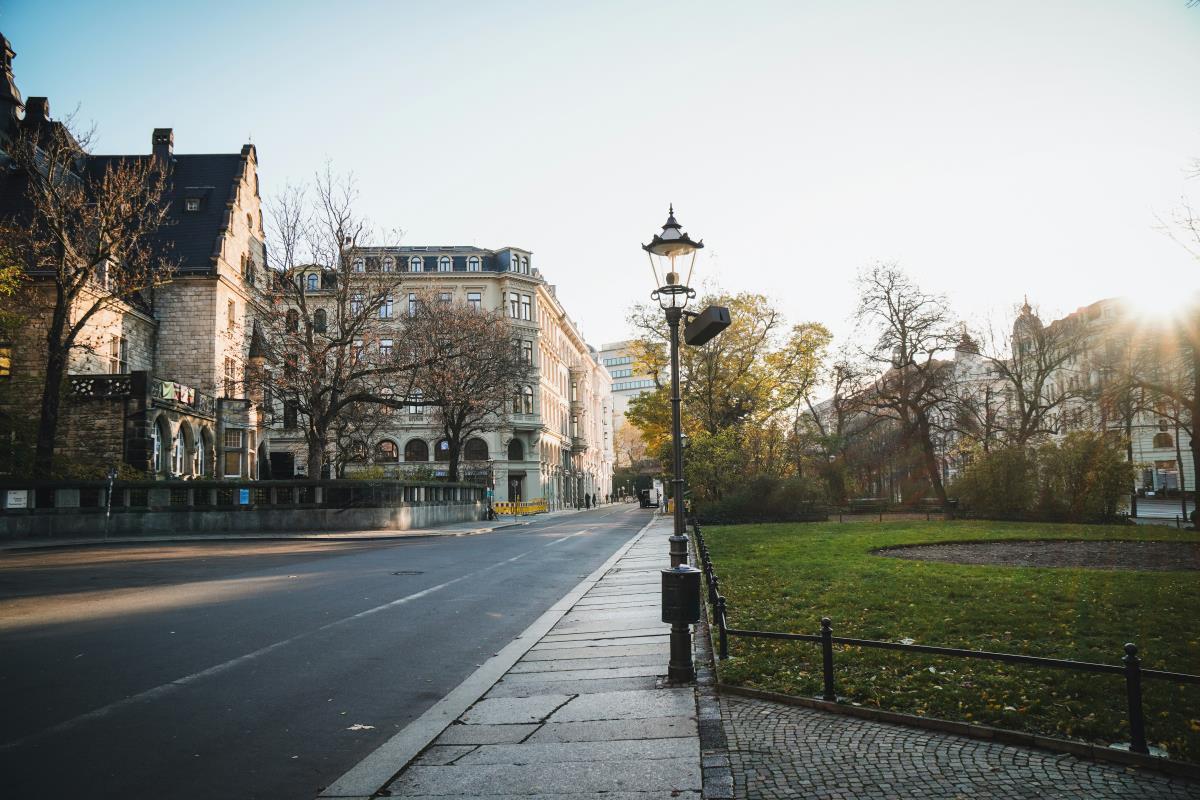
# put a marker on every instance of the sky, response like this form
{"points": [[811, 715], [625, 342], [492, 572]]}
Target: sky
{"points": [[992, 150]]}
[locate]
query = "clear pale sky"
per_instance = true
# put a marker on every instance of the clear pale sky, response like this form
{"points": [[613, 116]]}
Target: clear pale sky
{"points": [[992, 149]]}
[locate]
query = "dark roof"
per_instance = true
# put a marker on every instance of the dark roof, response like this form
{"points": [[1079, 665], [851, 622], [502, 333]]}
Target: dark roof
{"points": [[192, 238]]}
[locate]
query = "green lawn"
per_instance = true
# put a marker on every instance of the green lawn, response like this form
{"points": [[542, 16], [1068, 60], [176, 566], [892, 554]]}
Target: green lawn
{"points": [[786, 577]]}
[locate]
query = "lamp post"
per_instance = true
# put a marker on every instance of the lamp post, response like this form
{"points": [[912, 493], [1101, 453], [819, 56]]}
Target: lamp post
{"points": [[669, 252]]}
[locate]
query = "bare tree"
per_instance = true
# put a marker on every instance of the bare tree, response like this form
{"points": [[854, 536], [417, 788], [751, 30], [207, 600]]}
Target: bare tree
{"points": [[89, 241], [475, 391], [910, 328], [333, 331]]}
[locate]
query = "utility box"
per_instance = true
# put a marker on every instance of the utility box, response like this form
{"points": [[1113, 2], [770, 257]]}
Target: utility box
{"points": [[681, 595]]}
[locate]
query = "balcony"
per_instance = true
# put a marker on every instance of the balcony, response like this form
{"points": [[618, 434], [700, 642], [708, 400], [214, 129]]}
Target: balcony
{"points": [[578, 444], [525, 422], [161, 393]]}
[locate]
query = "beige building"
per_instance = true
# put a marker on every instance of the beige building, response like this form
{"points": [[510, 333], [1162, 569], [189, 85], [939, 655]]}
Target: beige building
{"points": [[555, 443]]}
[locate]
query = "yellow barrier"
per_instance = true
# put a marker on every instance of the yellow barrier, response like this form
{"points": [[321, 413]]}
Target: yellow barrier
{"points": [[520, 507]]}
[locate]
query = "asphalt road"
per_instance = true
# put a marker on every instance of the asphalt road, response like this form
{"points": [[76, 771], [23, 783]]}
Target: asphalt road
{"points": [[263, 669]]}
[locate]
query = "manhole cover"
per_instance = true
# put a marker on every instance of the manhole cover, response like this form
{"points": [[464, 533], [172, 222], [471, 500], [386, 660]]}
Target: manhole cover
{"points": [[409, 572]]}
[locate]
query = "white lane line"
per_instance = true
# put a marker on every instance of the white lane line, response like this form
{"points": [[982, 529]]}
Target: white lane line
{"points": [[173, 686], [568, 536]]}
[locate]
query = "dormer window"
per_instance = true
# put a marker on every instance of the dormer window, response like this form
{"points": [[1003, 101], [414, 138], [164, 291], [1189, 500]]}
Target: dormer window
{"points": [[359, 265], [191, 204], [444, 264], [312, 283], [473, 264], [414, 264], [387, 263]]}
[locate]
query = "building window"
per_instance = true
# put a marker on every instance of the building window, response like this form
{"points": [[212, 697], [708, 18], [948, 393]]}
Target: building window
{"points": [[415, 264], [526, 307], [178, 454], [388, 263], [412, 304], [527, 352], [416, 407], [441, 450], [621, 373], [385, 308], [230, 315], [291, 323], [117, 355], [230, 377], [574, 391], [514, 305], [290, 415], [616, 362], [574, 426], [191, 204], [356, 350], [359, 265], [1163, 440], [312, 283], [356, 304], [386, 450], [527, 400], [233, 452], [5, 360], [385, 348], [444, 264], [475, 300], [475, 449], [416, 450], [516, 451], [524, 265], [358, 450], [319, 320], [445, 297], [473, 264]]}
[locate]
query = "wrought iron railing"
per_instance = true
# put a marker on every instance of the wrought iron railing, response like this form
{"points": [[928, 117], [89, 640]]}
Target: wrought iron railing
{"points": [[1130, 667]]}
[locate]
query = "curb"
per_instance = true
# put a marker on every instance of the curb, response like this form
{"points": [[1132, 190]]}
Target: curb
{"points": [[368, 776]]}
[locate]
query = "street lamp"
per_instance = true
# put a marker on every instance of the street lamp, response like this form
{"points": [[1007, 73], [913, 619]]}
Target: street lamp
{"points": [[670, 252]]}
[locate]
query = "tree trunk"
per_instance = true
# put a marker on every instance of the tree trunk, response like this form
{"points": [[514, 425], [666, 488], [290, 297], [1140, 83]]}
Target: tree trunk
{"points": [[931, 463], [452, 465], [56, 367], [316, 452]]}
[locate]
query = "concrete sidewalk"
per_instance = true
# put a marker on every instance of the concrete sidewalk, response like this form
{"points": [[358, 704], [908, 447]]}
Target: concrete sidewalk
{"points": [[583, 713]]}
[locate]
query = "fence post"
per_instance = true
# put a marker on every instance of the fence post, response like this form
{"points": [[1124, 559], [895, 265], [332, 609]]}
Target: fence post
{"points": [[827, 658], [722, 636], [1133, 692]]}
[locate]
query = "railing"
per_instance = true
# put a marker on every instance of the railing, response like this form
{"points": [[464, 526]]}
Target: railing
{"points": [[1131, 666], [521, 507], [50, 497]]}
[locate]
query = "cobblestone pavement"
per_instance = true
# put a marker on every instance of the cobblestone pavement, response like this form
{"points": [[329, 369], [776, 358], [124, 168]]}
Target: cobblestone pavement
{"points": [[778, 751]]}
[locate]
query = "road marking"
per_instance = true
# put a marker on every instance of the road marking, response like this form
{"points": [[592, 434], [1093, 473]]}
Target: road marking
{"points": [[173, 686], [569, 536]]}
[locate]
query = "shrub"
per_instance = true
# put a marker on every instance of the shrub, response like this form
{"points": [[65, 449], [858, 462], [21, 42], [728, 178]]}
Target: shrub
{"points": [[765, 498], [999, 483]]}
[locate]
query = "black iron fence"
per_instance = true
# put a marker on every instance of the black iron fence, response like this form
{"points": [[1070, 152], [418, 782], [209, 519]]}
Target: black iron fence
{"points": [[1130, 667]]}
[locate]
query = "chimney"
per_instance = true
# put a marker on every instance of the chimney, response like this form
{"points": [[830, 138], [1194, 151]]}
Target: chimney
{"points": [[163, 143], [37, 110]]}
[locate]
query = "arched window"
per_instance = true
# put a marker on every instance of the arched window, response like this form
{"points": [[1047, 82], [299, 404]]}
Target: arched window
{"points": [[415, 264], [388, 263], [473, 264], [293, 321], [200, 463], [444, 264], [524, 265], [178, 454], [475, 450], [160, 441], [1163, 440], [319, 320], [416, 450], [386, 394], [386, 450], [516, 404], [358, 450], [312, 282], [527, 400], [441, 450], [516, 450]]}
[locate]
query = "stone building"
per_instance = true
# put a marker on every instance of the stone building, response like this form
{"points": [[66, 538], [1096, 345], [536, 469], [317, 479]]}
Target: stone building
{"points": [[555, 443], [155, 382]]}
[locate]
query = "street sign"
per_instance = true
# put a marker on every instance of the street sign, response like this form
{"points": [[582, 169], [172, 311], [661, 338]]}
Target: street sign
{"points": [[244, 497], [17, 498]]}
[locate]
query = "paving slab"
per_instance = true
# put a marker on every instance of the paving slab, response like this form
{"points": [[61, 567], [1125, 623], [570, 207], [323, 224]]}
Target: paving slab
{"points": [[503, 711], [606, 662], [617, 640], [504, 689], [587, 674], [628, 705], [659, 795], [615, 729], [441, 755], [613, 651], [485, 734], [538, 779], [685, 747]]}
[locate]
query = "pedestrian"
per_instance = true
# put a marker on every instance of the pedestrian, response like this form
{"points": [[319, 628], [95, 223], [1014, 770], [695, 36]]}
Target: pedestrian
{"points": [[587, 501]]}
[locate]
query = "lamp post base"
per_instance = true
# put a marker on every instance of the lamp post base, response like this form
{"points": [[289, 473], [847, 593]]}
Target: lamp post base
{"points": [[681, 669]]}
